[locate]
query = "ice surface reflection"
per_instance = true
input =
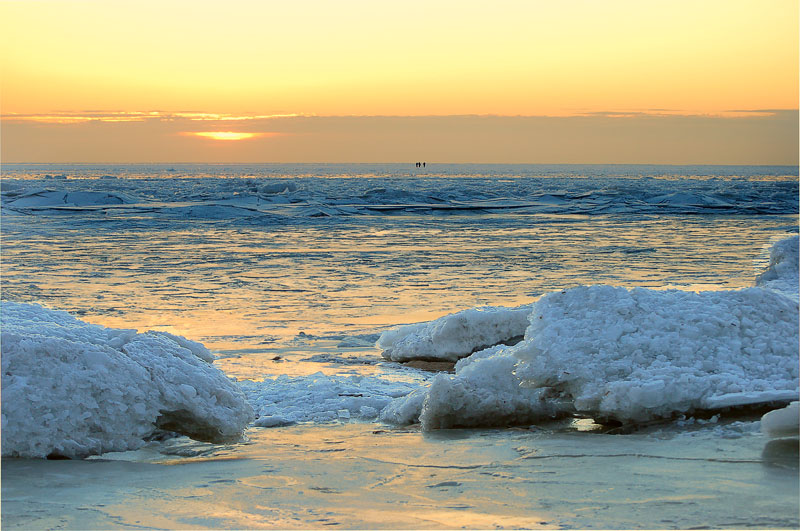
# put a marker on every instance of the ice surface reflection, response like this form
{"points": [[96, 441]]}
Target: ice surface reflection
{"points": [[255, 290], [355, 476]]}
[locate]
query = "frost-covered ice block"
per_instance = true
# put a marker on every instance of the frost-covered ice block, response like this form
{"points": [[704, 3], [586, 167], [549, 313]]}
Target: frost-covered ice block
{"points": [[456, 335], [783, 422], [75, 389], [639, 354], [782, 273], [629, 355], [485, 392], [320, 398]]}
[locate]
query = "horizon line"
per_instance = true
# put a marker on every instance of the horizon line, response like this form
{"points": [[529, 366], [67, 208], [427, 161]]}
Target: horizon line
{"points": [[398, 163]]}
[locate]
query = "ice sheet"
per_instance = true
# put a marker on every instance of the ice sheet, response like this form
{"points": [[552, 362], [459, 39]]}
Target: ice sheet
{"points": [[198, 192]]}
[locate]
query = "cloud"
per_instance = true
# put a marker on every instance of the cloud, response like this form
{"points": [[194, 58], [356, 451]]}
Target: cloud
{"points": [[760, 137], [137, 116]]}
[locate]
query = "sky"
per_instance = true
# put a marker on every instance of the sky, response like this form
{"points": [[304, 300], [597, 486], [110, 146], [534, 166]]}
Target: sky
{"points": [[573, 81]]}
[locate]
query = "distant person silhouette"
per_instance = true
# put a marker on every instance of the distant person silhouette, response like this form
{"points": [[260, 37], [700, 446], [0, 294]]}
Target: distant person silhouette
{"points": [[423, 164]]}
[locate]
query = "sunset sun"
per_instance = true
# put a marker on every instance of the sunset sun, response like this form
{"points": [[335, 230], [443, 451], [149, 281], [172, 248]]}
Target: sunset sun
{"points": [[228, 135]]}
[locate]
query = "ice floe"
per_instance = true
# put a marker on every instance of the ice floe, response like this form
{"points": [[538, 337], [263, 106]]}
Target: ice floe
{"points": [[782, 426], [286, 400], [782, 273], [623, 355], [330, 190], [456, 335], [783, 422], [73, 389]]}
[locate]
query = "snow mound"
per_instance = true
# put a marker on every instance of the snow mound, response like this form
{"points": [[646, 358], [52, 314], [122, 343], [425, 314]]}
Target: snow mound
{"points": [[627, 355], [319, 398], [782, 273], [782, 422], [456, 335], [74, 389]]}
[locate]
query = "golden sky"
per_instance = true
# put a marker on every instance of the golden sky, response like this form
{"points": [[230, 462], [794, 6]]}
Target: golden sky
{"points": [[236, 63]]}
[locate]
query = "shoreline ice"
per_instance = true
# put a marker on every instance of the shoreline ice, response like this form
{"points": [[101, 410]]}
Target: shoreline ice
{"points": [[455, 336], [626, 355], [782, 273], [73, 389]]}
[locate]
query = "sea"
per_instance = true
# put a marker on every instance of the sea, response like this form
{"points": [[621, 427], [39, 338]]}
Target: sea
{"points": [[289, 273]]}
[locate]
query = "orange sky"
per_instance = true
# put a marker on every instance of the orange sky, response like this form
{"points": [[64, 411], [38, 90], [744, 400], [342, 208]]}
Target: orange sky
{"points": [[132, 61]]}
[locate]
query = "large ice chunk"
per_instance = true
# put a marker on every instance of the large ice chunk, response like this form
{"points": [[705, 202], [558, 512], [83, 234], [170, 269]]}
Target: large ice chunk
{"points": [[485, 392], [74, 389], [628, 355], [456, 335], [782, 273], [783, 422], [640, 354]]}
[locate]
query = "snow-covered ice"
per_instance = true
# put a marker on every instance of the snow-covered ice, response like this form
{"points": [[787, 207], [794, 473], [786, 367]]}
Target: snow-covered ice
{"points": [[784, 422], [74, 389], [456, 335], [628, 355], [782, 273], [320, 398], [639, 354]]}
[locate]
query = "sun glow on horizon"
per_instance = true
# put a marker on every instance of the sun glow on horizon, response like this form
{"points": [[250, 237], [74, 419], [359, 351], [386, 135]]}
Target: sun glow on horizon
{"points": [[228, 135], [358, 80]]}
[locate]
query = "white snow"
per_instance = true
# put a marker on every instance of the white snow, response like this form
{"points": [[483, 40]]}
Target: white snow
{"points": [[630, 355], [319, 398], [456, 335], [639, 354], [486, 392], [783, 422], [782, 273], [75, 389]]}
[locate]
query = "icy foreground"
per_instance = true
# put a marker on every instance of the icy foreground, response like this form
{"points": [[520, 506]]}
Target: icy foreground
{"points": [[455, 336], [74, 389], [628, 355], [783, 422], [285, 400], [782, 273]]}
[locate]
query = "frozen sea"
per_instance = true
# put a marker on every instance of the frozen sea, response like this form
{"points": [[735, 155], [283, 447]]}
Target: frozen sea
{"points": [[290, 273]]}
